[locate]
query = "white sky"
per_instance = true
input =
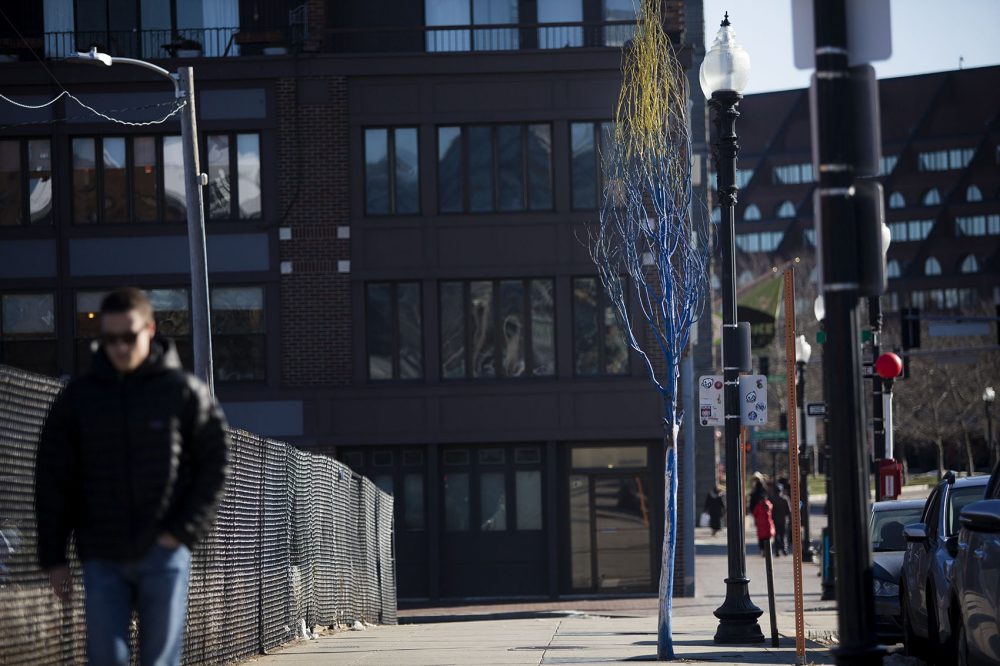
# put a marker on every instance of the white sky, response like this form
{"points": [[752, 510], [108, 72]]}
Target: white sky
{"points": [[927, 36]]}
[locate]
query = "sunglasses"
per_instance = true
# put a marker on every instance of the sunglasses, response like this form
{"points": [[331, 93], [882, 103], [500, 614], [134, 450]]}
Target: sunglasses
{"points": [[129, 338]]}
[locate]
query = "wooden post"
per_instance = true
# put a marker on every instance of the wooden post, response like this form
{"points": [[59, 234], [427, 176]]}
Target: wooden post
{"points": [[793, 464]]}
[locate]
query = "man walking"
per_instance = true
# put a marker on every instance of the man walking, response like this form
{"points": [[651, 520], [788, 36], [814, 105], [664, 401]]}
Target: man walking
{"points": [[132, 459]]}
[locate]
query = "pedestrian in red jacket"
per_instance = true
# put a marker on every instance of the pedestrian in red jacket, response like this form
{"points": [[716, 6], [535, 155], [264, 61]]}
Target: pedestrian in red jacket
{"points": [[765, 523]]}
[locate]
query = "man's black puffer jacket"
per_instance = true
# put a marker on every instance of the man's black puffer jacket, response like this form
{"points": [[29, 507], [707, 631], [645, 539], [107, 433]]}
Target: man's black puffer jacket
{"points": [[123, 458]]}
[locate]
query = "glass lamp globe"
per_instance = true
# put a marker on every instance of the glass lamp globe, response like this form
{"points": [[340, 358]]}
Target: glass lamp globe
{"points": [[989, 395], [726, 65], [803, 350]]}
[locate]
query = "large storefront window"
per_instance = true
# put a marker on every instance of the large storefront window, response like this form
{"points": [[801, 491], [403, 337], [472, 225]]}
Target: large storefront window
{"points": [[28, 332], [598, 345], [489, 168], [393, 330], [497, 328], [118, 180]]}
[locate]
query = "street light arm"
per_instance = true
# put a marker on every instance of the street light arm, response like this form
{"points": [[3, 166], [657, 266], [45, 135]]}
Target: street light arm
{"points": [[153, 68]]}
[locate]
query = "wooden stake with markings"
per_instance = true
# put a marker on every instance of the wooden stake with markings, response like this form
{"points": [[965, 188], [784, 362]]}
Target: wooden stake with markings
{"points": [[793, 464]]}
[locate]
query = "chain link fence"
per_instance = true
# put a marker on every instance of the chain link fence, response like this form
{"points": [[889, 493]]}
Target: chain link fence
{"points": [[298, 539]]}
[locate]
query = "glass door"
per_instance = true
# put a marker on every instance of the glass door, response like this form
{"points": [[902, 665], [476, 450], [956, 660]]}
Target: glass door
{"points": [[621, 527]]}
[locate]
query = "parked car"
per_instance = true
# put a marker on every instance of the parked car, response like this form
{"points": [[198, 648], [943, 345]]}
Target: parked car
{"points": [[976, 580], [885, 527], [925, 592]]}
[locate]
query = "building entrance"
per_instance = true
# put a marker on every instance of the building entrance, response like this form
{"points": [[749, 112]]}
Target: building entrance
{"points": [[610, 527]]}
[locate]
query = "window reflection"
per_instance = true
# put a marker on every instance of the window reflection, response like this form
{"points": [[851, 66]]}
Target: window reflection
{"points": [[144, 178], [413, 501], [492, 502], [40, 181], [84, 181], [28, 333], [529, 499], [248, 174], [10, 182], [456, 501], [174, 201], [219, 186], [113, 164], [238, 329]]}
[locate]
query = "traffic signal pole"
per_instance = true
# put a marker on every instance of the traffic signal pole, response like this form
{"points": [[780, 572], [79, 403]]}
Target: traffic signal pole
{"points": [[842, 369]]}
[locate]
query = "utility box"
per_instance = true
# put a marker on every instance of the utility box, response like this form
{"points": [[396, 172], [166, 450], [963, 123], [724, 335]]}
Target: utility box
{"points": [[890, 479]]}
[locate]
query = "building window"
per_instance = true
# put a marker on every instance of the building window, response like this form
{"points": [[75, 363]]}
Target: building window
{"points": [[118, 180], [560, 11], [456, 501], [413, 501], [590, 143], [743, 177], [886, 164], [977, 225], [228, 197], [970, 264], [238, 334], [392, 184], [892, 269], [896, 200], [619, 10], [598, 344], [210, 23], [394, 331], [751, 214], [914, 230], [764, 241], [467, 13], [793, 174], [810, 236], [172, 313], [488, 168], [28, 333], [528, 483], [786, 209], [717, 215], [932, 197], [973, 194], [25, 182], [497, 328], [943, 160], [932, 266]]}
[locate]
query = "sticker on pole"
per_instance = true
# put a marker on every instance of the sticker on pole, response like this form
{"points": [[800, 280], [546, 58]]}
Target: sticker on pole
{"points": [[753, 400], [710, 409]]}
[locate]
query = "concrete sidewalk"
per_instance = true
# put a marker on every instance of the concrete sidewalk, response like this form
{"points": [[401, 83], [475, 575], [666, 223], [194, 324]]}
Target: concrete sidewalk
{"points": [[572, 639], [586, 631]]}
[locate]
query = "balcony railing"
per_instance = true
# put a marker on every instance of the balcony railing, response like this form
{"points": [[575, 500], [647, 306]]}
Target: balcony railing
{"points": [[228, 42], [191, 43], [492, 37]]}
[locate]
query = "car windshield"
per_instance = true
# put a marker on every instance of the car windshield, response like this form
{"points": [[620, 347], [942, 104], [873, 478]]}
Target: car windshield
{"points": [[887, 528], [958, 500]]}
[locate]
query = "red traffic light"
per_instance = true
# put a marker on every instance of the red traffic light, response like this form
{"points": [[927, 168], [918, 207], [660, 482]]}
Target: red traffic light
{"points": [[888, 366]]}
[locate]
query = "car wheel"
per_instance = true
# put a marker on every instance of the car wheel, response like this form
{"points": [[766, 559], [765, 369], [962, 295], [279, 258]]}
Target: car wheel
{"points": [[913, 645]]}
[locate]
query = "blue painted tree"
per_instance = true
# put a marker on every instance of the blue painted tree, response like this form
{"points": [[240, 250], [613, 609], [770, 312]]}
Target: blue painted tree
{"points": [[651, 253]]}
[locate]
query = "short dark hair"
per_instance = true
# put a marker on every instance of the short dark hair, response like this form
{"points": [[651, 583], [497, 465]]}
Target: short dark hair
{"points": [[127, 299]]}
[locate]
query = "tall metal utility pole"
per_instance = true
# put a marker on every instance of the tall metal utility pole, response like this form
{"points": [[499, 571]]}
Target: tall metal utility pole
{"points": [[201, 327], [842, 369], [194, 180]]}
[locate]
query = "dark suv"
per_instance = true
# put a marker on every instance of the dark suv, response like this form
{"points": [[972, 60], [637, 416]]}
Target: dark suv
{"points": [[925, 593], [976, 580]]}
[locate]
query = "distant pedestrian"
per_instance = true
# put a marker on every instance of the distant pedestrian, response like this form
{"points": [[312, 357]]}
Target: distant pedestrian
{"points": [[715, 506], [781, 513], [132, 459], [763, 520]]}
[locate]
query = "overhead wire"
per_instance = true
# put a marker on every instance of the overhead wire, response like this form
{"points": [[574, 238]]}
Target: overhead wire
{"points": [[66, 93]]}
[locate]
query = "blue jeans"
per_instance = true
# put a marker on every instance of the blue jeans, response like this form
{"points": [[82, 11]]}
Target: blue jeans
{"points": [[157, 586]]}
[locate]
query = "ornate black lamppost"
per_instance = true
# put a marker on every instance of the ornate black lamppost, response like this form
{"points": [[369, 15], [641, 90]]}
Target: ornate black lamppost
{"points": [[803, 352], [724, 74]]}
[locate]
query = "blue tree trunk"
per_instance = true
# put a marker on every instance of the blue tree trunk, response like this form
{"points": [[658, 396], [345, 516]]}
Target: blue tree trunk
{"points": [[664, 635]]}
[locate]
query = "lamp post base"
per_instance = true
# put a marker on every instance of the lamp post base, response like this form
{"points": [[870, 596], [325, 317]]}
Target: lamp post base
{"points": [[738, 615]]}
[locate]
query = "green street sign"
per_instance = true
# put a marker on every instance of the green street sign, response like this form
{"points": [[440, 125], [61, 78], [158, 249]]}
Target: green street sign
{"points": [[757, 435]]}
